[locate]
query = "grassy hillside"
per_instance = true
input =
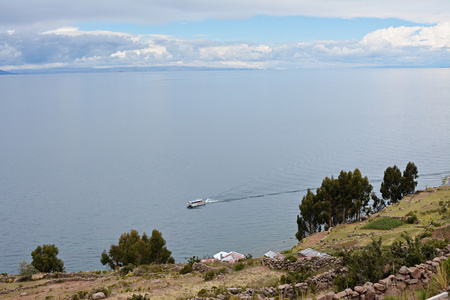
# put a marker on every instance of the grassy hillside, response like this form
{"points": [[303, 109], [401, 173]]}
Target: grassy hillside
{"points": [[431, 207]]}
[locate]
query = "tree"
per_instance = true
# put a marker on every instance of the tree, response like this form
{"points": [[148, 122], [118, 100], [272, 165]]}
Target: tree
{"points": [[45, 260], [408, 182], [336, 201], [395, 186], [159, 254], [132, 249], [391, 186]]}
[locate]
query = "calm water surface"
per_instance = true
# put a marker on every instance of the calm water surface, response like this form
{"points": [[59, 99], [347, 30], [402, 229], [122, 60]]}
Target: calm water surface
{"points": [[87, 157]]}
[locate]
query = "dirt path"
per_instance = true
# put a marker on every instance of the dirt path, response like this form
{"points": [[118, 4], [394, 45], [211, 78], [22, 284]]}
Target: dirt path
{"points": [[314, 239]]}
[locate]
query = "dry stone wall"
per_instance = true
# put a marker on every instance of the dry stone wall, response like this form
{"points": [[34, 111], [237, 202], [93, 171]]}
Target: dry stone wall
{"points": [[407, 278], [316, 263]]}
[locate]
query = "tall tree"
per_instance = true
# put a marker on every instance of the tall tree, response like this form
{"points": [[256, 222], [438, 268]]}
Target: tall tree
{"points": [[391, 186], [408, 181], [45, 260]]}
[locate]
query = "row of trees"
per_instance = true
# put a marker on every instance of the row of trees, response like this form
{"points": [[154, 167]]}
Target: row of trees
{"points": [[395, 186], [131, 250], [350, 196]]}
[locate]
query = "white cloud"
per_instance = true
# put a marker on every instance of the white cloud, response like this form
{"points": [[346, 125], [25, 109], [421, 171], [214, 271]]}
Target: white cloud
{"points": [[70, 47], [435, 36], [54, 13]]}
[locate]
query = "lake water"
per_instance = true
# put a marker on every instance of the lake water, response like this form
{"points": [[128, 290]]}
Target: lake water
{"points": [[87, 157]]}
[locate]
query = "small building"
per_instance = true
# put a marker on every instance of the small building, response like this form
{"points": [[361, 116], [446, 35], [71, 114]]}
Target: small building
{"points": [[233, 257], [274, 255], [308, 252], [220, 255], [230, 257]]}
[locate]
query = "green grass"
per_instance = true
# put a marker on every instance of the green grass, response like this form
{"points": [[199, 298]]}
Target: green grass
{"points": [[383, 224]]}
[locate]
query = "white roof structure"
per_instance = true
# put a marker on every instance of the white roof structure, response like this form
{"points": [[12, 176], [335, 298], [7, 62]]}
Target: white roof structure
{"points": [[275, 255], [233, 257], [230, 257], [308, 252], [220, 255]]}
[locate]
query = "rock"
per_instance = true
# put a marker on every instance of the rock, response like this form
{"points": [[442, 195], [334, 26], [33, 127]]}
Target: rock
{"points": [[370, 293], [380, 287], [23, 294], [385, 281], [368, 284], [99, 295], [404, 271], [360, 289], [412, 281], [415, 272], [434, 264], [393, 291], [329, 296], [362, 297], [400, 277], [323, 297], [234, 291], [348, 291], [341, 295]]}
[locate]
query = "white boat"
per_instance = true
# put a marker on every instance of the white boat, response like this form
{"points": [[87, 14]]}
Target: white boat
{"points": [[195, 203]]}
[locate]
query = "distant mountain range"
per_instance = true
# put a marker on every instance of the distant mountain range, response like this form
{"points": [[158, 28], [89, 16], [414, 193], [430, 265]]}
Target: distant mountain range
{"points": [[114, 70], [5, 73]]}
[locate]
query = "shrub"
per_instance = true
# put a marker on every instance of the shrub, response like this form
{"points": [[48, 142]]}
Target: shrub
{"points": [[383, 224], [126, 269], [79, 295], [139, 297], [294, 277], [26, 269], [290, 258], [363, 265], [186, 269], [209, 275], [411, 218], [239, 266]]}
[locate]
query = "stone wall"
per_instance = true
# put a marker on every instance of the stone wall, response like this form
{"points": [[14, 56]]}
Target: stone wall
{"points": [[407, 278], [316, 263]]}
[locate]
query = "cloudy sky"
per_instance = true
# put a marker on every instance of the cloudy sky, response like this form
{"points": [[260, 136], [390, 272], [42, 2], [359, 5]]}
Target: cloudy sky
{"points": [[39, 34]]}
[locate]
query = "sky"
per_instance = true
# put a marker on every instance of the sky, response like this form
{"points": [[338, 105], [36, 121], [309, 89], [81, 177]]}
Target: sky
{"points": [[255, 34]]}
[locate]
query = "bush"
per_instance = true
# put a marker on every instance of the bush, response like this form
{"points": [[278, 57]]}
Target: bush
{"points": [[186, 269], [26, 269], [126, 269], [363, 265], [209, 275], [411, 218], [383, 224], [290, 258], [239, 266], [79, 295], [139, 297], [294, 277]]}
